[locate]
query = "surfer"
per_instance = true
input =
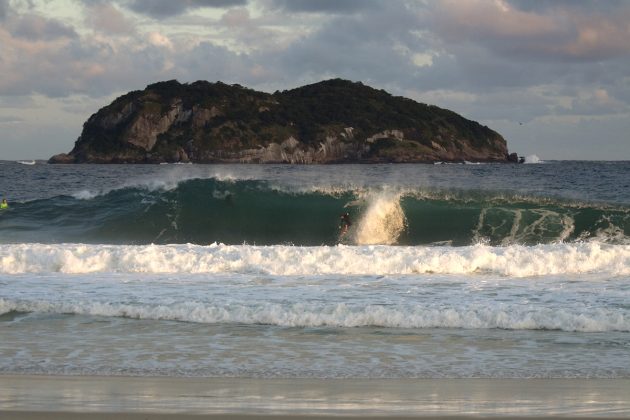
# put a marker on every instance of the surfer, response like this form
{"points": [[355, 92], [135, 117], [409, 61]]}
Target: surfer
{"points": [[4, 205], [345, 223]]}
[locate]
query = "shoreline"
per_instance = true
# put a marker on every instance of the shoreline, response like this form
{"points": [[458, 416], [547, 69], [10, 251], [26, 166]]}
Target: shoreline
{"points": [[25, 415], [29, 397]]}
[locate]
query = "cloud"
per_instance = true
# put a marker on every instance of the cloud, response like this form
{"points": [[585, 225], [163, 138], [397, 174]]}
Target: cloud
{"points": [[9, 120], [498, 61], [16, 102], [35, 28], [593, 102], [375, 46], [323, 6], [168, 8], [401, 47], [55, 61], [263, 35], [208, 61], [63, 66], [480, 20], [563, 32], [4, 9], [108, 19], [237, 17], [599, 38], [159, 40], [518, 105], [588, 6]]}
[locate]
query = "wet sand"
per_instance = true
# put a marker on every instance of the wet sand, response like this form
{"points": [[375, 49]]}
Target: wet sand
{"points": [[93, 397], [127, 416]]}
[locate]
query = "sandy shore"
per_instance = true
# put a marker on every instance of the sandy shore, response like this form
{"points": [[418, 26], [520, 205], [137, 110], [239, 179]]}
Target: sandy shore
{"points": [[18, 415], [90, 397]]}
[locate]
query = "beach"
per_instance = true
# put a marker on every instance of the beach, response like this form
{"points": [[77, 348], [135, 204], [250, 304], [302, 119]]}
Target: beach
{"points": [[31, 397], [314, 209]]}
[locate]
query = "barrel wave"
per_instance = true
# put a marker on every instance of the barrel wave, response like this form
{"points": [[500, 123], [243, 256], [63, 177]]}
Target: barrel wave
{"points": [[205, 211]]}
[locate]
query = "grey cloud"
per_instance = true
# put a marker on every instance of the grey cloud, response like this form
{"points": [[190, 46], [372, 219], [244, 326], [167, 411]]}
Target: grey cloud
{"points": [[324, 6], [96, 69], [594, 103], [6, 120], [107, 18], [584, 5], [518, 105], [563, 32], [168, 8], [213, 63], [483, 75], [477, 71], [4, 9], [16, 102], [76, 67], [35, 28], [355, 47], [377, 48], [474, 69], [374, 46]]}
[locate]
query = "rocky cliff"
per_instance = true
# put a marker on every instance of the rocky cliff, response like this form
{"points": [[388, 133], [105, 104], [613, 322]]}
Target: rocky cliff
{"points": [[331, 121]]}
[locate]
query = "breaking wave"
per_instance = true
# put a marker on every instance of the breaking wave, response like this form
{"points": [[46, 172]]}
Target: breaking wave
{"points": [[469, 316], [229, 211]]}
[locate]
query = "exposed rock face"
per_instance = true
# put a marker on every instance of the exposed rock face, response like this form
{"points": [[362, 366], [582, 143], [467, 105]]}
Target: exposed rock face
{"points": [[330, 121], [148, 126], [387, 134], [62, 158]]}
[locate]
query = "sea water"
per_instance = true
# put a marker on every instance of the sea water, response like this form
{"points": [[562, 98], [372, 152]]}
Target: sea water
{"points": [[240, 271]]}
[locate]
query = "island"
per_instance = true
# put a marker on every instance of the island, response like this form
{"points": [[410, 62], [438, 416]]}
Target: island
{"points": [[333, 121]]}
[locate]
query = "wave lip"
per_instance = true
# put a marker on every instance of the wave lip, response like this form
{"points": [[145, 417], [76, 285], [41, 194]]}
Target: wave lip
{"points": [[511, 261]]}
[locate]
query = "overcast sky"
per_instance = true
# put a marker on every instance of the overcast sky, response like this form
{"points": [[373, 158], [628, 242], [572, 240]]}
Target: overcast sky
{"points": [[552, 76]]}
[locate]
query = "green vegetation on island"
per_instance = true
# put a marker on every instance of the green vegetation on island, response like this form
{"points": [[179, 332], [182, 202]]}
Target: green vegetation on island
{"points": [[326, 122]]}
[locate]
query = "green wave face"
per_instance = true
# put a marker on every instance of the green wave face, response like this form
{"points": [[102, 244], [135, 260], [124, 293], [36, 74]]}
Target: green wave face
{"points": [[203, 211]]}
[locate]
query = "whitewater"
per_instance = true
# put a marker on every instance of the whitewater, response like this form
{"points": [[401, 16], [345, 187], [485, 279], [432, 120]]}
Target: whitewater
{"points": [[447, 271], [282, 260]]}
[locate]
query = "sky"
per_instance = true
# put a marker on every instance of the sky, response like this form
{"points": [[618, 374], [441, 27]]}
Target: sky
{"points": [[551, 76]]}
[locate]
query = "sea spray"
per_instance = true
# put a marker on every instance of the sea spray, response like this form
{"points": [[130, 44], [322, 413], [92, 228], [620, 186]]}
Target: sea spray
{"points": [[533, 159], [382, 221]]}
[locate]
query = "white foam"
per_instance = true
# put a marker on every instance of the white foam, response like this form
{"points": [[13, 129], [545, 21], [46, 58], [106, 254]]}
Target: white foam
{"points": [[85, 195], [533, 159], [511, 261], [303, 314]]}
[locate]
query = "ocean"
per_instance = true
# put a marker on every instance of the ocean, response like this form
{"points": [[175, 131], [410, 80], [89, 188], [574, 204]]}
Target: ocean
{"points": [[240, 271]]}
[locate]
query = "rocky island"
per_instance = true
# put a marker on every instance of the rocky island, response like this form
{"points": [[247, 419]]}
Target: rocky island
{"points": [[333, 121]]}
